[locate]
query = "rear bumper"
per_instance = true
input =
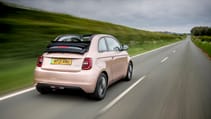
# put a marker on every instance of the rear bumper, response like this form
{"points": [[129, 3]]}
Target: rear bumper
{"points": [[53, 86], [85, 80]]}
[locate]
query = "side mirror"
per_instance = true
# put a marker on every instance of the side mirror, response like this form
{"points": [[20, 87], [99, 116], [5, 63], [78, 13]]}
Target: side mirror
{"points": [[117, 49], [124, 47]]}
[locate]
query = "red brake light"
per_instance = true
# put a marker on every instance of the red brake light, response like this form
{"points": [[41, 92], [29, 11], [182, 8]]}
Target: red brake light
{"points": [[39, 61], [87, 64], [62, 46]]}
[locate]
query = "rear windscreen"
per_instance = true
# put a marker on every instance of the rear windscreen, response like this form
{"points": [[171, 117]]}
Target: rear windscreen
{"points": [[70, 44]]}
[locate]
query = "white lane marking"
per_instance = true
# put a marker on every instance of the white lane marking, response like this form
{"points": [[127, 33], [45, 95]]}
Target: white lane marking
{"points": [[156, 49], [164, 59], [174, 51], [16, 93], [27, 90], [114, 101]]}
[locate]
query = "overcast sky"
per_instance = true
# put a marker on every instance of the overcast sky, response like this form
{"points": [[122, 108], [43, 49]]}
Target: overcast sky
{"points": [[155, 15]]}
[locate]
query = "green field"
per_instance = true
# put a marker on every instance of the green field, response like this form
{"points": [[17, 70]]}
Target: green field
{"points": [[203, 42], [25, 33]]}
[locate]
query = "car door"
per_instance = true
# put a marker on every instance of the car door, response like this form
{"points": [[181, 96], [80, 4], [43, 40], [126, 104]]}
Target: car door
{"points": [[104, 58], [119, 58]]}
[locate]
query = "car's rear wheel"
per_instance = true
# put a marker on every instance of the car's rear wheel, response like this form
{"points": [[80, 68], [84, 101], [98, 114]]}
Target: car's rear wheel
{"points": [[43, 90], [129, 72], [101, 87]]}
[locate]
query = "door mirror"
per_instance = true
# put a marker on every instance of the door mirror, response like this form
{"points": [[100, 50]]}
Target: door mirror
{"points": [[117, 49], [124, 47]]}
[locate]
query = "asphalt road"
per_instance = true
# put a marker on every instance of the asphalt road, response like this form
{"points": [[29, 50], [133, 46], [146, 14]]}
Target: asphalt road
{"points": [[171, 83]]}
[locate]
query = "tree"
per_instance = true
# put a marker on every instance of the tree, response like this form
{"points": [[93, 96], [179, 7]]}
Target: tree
{"points": [[201, 31]]}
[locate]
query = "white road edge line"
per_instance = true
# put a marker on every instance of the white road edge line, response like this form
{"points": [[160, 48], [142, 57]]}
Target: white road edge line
{"points": [[164, 59], [114, 101], [33, 88], [16, 93]]}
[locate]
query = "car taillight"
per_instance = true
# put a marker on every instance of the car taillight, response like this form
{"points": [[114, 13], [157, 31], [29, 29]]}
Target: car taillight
{"points": [[62, 46], [39, 61], [87, 64]]}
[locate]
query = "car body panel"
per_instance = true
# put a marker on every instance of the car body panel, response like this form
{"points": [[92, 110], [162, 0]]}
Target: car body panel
{"points": [[86, 80], [113, 63], [75, 66]]}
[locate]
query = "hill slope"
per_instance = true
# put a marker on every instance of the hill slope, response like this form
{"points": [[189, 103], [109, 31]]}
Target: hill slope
{"points": [[25, 33]]}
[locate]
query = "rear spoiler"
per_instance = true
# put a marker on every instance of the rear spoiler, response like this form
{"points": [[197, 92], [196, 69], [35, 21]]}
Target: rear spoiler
{"points": [[65, 50], [80, 44], [67, 47]]}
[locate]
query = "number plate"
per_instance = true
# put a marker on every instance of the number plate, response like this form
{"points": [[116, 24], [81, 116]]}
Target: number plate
{"points": [[61, 61]]}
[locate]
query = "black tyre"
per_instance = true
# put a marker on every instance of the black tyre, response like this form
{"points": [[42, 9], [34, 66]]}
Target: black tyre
{"points": [[43, 90], [129, 72], [101, 87]]}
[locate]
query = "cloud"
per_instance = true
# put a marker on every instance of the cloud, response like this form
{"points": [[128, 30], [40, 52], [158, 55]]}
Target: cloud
{"points": [[168, 15]]}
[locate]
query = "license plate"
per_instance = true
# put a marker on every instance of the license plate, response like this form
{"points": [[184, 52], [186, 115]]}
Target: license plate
{"points": [[61, 61]]}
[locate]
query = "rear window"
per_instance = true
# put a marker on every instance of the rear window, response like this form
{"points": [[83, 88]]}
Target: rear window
{"points": [[70, 44], [73, 38]]}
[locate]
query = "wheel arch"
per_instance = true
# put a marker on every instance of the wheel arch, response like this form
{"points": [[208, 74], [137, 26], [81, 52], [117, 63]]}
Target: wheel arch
{"points": [[130, 61], [104, 72]]}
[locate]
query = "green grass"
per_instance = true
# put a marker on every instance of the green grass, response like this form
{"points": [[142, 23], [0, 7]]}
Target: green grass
{"points": [[203, 42], [137, 49], [16, 77], [25, 33]]}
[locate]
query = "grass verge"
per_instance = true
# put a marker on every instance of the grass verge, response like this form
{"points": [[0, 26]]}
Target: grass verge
{"points": [[204, 43]]}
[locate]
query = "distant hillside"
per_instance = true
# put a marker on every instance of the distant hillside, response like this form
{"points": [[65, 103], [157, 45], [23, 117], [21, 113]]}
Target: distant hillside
{"points": [[25, 33]]}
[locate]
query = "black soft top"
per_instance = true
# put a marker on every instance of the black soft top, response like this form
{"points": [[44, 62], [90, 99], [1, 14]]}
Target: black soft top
{"points": [[70, 44]]}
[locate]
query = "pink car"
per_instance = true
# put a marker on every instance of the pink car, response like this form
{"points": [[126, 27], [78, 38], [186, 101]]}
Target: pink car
{"points": [[87, 62]]}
